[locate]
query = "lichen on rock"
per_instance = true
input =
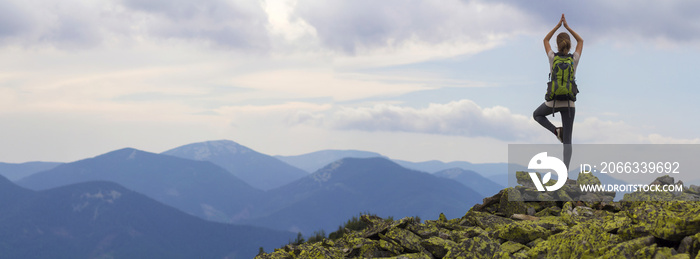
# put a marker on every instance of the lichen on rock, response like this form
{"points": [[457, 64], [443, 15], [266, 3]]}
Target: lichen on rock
{"points": [[538, 229]]}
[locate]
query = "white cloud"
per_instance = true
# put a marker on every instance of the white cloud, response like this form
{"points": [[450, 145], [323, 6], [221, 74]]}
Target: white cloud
{"points": [[322, 82], [236, 24], [659, 139], [596, 131], [353, 26], [593, 130], [196, 67], [342, 28], [349, 33], [290, 29], [624, 21], [361, 34], [465, 118], [459, 118], [278, 111], [65, 24], [79, 24]]}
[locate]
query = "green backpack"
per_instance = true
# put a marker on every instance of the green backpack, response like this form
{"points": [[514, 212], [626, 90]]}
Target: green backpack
{"points": [[562, 84]]}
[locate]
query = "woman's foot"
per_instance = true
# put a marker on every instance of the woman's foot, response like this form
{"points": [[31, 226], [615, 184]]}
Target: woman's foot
{"points": [[559, 131]]}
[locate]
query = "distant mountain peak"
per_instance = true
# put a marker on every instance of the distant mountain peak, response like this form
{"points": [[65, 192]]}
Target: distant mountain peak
{"points": [[355, 167], [348, 185], [132, 156], [221, 142], [227, 145], [205, 150], [368, 161], [324, 175], [314, 161], [259, 170], [127, 153], [124, 150], [352, 164]]}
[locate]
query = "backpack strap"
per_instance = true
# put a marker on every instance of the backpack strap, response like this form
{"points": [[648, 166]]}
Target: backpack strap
{"points": [[564, 55]]}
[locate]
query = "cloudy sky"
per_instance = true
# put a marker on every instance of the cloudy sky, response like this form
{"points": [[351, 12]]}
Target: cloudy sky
{"points": [[414, 80]]}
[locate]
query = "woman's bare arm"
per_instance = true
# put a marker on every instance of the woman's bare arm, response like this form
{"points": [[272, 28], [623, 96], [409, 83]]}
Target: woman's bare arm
{"points": [[547, 47], [579, 40]]}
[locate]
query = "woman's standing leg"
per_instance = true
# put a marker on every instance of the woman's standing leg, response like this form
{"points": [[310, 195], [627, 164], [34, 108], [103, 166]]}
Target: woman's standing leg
{"points": [[567, 118], [567, 121]]}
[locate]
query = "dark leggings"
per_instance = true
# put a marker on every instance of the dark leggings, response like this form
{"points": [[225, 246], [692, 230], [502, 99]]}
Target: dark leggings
{"points": [[567, 121]]}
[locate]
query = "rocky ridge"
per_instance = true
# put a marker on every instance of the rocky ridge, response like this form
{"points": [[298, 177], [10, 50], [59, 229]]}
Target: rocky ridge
{"points": [[576, 226]]}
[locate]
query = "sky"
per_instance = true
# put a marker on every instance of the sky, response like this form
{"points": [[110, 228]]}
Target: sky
{"points": [[424, 80]]}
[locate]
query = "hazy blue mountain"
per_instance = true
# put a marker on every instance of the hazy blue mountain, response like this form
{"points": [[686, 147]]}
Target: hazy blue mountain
{"points": [[485, 169], [259, 170], [106, 220], [473, 180], [316, 160], [333, 194], [502, 179], [11, 193], [14, 172], [196, 187], [311, 162]]}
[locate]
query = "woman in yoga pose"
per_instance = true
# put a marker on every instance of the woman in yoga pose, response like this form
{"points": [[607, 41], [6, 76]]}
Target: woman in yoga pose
{"points": [[553, 104]]}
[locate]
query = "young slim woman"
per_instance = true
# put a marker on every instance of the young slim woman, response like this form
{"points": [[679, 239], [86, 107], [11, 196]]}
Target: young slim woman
{"points": [[566, 109]]}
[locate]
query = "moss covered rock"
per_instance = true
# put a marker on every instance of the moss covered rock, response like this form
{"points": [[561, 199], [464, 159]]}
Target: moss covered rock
{"points": [[585, 239], [524, 179], [665, 220], [405, 238], [511, 203], [524, 232], [587, 179], [477, 247], [550, 229], [510, 247], [438, 247], [318, 251]]}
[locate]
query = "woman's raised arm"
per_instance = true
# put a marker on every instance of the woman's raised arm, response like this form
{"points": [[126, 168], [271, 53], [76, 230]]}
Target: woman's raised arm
{"points": [[579, 40], [548, 47]]}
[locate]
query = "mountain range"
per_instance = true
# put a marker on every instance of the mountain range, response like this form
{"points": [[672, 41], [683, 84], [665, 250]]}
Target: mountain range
{"points": [[259, 170], [197, 179], [485, 178], [471, 179], [311, 162], [197, 187], [314, 161], [106, 220], [350, 186], [14, 172], [209, 191]]}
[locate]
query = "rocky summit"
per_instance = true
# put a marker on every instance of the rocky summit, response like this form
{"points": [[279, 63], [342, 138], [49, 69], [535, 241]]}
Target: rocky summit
{"points": [[638, 226]]}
